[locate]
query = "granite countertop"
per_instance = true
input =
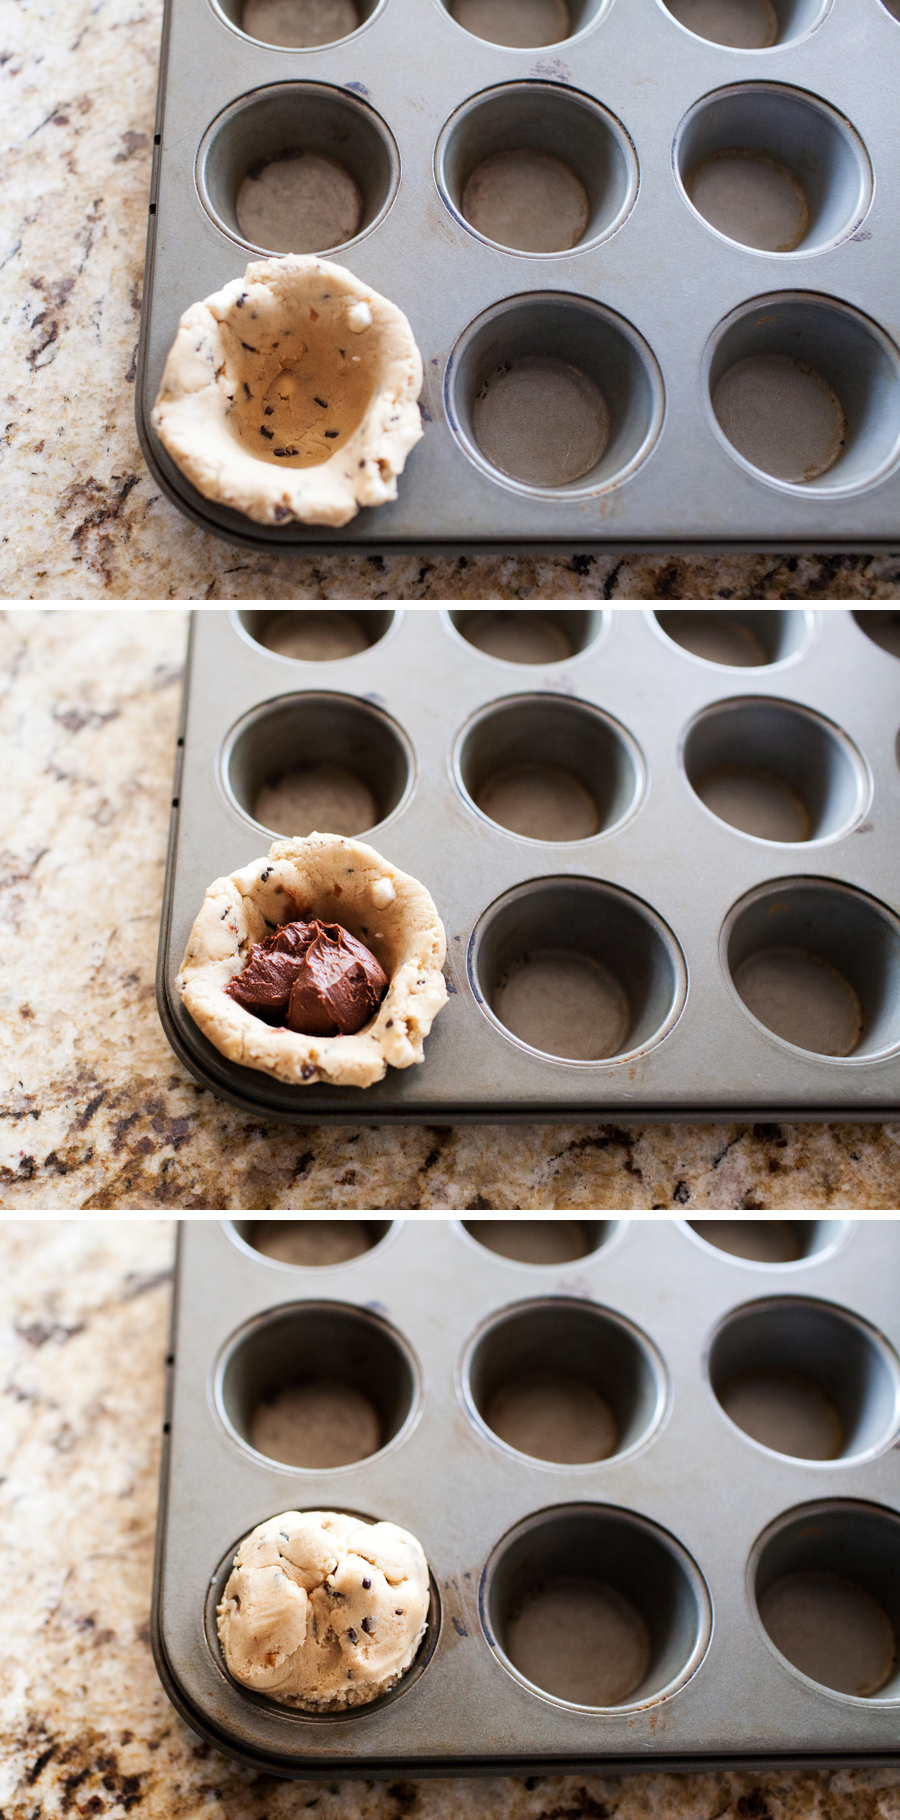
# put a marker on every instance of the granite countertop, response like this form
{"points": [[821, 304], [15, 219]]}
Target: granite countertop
{"points": [[85, 1728], [97, 1112], [84, 519]]}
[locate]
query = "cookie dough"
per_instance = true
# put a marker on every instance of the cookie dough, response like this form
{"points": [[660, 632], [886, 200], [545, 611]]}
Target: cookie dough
{"points": [[322, 877], [291, 394], [323, 1610]]}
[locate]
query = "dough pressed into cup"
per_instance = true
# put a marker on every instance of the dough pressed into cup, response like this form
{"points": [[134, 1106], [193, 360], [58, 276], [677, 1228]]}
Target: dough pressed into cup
{"points": [[291, 393], [323, 1610], [336, 880]]}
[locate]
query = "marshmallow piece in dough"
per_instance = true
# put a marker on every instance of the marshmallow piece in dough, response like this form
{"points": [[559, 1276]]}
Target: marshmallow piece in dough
{"points": [[337, 880], [291, 393], [323, 1610]]}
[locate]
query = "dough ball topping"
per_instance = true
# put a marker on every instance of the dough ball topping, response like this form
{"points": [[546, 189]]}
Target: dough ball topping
{"points": [[323, 1610], [312, 977]]}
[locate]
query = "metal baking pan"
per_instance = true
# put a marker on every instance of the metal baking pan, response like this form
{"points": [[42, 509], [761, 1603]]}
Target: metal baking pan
{"points": [[653, 304], [693, 1524], [672, 901]]}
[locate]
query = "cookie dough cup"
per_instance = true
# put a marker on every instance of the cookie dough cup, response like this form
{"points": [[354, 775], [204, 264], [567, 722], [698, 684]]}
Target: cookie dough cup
{"points": [[291, 393], [336, 880], [322, 1611]]}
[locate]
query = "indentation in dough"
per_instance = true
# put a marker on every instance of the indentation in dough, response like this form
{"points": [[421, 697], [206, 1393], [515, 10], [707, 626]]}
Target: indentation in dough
{"points": [[308, 398]]}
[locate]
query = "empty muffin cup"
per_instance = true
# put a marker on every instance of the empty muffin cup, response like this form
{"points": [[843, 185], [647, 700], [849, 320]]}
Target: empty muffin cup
{"points": [[771, 1241], [298, 24], [314, 637], [528, 638], [554, 394], [311, 1244], [775, 770], [882, 627], [804, 392], [749, 25], [740, 637], [564, 1382], [317, 1385], [297, 168], [773, 168], [805, 1379], [541, 1242], [817, 964], [537, 168], [319, 763], [525, 24], [595, 1607], [547, 768], [825, 1584], [577, 970]]}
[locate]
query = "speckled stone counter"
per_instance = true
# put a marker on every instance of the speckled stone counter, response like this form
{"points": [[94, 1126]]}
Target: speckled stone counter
{"points": [[85, 1728], [83, 519], [96, 1111]]}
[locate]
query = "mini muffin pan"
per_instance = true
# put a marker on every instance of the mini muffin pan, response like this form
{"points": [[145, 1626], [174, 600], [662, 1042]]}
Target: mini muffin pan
{"points": [[664, 846], [653, 1467], [647, 249]]}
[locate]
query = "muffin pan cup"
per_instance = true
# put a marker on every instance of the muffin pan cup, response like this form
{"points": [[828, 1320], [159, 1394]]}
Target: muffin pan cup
{"points": [[662, 271], [686, 1519], [665, 861]]}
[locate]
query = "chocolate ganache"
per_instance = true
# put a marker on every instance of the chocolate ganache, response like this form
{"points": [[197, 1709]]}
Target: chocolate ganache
{"points": [[315, 978]]}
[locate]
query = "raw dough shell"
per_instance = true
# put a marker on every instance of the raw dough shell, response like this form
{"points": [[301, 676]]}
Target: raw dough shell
{"points": [[336, 880], [283, 307]]}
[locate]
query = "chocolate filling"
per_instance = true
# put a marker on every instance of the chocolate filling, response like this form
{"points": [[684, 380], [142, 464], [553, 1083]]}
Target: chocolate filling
{"points": [[312, 977]]}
